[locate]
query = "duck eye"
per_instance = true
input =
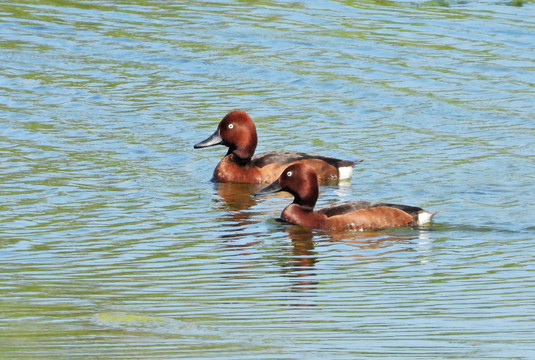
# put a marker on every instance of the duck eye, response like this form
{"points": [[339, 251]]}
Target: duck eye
{"points": [[289, 173], [230, 126]]}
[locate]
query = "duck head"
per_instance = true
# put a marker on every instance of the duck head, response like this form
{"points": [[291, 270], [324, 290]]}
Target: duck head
{"points": [[301, 181], [237, 131]]}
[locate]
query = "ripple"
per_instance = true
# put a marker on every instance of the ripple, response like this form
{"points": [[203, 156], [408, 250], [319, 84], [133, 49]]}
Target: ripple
{"points": [[114, 238]]}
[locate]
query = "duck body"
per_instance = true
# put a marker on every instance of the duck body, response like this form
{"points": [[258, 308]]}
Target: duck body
{"points": [[301, 181], [237, 131], [353, 215]]}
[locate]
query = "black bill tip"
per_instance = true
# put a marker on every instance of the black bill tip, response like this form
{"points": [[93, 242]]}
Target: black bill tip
{"points": [[274, 187], [214, 139]]}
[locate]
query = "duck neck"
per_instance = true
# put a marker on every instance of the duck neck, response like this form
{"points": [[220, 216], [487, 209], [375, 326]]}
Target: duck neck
{"points": [[241, 161], [245, 148], [306, 196], [304, 216]]}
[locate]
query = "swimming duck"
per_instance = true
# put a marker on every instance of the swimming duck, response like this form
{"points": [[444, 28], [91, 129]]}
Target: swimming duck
{"points": [[301, 181], [237, 131]]}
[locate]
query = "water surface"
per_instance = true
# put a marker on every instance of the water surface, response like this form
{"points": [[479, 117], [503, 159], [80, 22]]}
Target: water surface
{"points": [[115, 244]]}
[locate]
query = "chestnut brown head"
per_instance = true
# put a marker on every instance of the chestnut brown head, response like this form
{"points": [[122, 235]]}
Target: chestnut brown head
{"points": [[301, 181], [236, 131]]}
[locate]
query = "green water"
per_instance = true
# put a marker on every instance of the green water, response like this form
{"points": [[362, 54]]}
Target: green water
{"points": [[115, 244]]}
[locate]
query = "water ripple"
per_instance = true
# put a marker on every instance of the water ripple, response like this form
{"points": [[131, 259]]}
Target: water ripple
{"points": [[114, 238]]}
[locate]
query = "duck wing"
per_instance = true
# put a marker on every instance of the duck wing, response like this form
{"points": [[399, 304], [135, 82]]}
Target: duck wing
{"points": [[411, 210], [286, 157], [351, 206], [346, 208]]}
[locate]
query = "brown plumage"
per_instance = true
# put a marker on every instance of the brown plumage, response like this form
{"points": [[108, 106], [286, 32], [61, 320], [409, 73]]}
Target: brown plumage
{"points": [[238, 132], [301, 181]]}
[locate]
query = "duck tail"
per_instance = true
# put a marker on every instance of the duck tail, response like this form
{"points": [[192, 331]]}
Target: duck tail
{"points": [[345, 169], [425, 217]]}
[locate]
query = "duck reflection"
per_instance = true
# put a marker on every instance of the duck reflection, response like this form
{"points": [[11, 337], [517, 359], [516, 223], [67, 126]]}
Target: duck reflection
{"points": [[301, 264], [237, 196], [367, 240], [298, 261], [300, 267], [236, 200]]}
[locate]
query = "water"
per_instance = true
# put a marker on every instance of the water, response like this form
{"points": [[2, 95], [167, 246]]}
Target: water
{"points": [[115, 244]]}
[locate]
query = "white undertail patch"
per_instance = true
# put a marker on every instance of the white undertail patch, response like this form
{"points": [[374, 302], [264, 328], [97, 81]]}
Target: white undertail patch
{"points": [[345, 172], [425, 217]]}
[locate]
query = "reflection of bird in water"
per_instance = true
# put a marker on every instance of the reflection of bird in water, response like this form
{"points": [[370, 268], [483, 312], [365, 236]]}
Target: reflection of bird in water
{"points": [[309, 247], [300, 266], [237, 196], [302, 247], [237, 199], [371, 239]]}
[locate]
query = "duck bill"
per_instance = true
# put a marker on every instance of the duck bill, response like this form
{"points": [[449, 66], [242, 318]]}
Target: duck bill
{"points": [[214, 139], [274, 187]]}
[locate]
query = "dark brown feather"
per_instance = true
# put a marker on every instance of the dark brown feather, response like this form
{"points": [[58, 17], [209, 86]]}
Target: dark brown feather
{"points": [[286, 157], [351, 206], [411, 210], [346, 208]]}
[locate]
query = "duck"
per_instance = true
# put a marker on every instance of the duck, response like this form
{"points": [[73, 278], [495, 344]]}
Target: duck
{"points": [[237, 131], [301, 181]]}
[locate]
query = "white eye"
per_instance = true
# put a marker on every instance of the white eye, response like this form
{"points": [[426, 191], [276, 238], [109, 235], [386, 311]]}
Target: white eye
{"points": [[230, 126], [289, 173]]}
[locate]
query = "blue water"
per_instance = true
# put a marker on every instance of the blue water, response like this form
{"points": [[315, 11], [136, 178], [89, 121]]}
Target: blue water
{"points": [[115, 244]]}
